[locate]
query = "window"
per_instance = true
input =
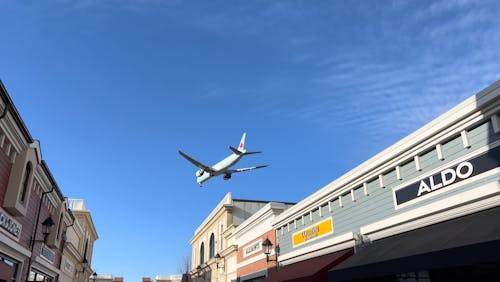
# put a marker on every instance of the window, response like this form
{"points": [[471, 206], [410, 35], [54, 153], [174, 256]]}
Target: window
{"points": [[212, 246], [18, 192], [59, 226], [9, 269], [37, 276], [86, 248], [27, 174], [202, 253]]}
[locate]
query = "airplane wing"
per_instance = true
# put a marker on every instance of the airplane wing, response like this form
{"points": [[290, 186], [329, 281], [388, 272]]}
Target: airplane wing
{"points": [[196, 163], [245, 169]]}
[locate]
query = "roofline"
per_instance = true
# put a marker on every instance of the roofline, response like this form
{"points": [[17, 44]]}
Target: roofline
{"points": [[52, 180], [15, 114], [381, 161]]}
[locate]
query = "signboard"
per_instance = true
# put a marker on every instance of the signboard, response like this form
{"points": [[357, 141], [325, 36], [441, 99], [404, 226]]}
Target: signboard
{"points": [[48, 254], [311, 233], [10, 225], [446, 177], [252, 248]]}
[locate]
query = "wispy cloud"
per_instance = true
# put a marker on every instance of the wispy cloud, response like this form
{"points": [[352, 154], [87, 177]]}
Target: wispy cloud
{"points": [[452, 55]]}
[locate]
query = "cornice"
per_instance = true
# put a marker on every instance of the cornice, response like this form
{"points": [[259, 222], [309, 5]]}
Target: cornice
{"points": [[227, 200], [6, 100], [470, 110], [268, 211], [88, 222]]}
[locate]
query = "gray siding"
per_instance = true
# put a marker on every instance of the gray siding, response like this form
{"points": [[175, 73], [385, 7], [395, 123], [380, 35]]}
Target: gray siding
{"points": [[379, 203], [245, 209]]}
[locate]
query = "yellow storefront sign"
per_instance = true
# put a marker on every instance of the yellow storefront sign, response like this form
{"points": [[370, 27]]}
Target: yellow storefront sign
{"points": [[323, 228]]}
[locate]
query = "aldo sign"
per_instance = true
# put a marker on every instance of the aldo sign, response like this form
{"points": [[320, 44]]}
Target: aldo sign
{"points": [[446, 177]]}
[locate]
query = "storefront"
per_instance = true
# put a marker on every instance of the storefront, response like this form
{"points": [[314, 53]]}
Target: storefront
{"points": [[424, 207]]}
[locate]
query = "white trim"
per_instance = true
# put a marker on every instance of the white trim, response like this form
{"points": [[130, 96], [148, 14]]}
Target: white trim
{"points": [[381, 181], [468, 113], [365, 189], [341, 204], [254, 251], [320, 211], [227, 200], [2, 140], [41, 264], [439, 151], [353, 197], [465, 139], [254, 259], [476, 199], [398, 172], [7, 151], [329, 206], [445, 189], [14, 246], [266, 212], [333, 244], [417, 163], [468, 156], [495, 121]]}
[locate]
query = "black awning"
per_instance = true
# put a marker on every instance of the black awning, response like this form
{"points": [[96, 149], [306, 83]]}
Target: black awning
{"points": [[466, 240], [315, 269]]}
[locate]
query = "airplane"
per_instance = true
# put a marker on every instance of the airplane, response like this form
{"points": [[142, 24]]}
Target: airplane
{"points": [[223, 167]]}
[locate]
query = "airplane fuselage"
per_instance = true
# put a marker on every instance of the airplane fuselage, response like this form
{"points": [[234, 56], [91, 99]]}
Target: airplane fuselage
{"points": [[219, 168]]}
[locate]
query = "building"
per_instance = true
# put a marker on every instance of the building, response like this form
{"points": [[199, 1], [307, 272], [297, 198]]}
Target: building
{"points": [[214, 249], [78, 248], [168, 278], [252, 262], [424, 209], [34, 214], [105, 278], [32, 208]]}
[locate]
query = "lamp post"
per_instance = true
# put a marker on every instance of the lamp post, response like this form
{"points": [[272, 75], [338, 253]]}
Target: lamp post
{"points": [[267, 246], [94, 276], [218, 259], [46, 229]]}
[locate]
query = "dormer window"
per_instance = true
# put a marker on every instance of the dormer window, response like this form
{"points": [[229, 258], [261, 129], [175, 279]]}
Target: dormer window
{"points": [[20, 184]]}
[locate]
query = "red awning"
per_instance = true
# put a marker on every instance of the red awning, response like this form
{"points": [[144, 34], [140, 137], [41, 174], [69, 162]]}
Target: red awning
{"points": [[315, 269]]}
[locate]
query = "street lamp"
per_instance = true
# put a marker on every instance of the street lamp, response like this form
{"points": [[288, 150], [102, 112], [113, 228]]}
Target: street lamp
{"points": [[267, 246], [218, 259], [94, 276], [46, 229]]}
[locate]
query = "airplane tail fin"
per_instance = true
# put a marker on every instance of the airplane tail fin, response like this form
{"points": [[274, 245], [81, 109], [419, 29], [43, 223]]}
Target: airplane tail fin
{"points": [[241, 147]]}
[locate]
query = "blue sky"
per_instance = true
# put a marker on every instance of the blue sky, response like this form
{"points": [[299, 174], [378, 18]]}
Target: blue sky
{"points": [[113, 89]]}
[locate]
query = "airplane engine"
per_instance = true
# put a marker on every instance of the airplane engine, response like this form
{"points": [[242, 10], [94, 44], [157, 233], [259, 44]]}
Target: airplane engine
{"points": [[227, 176], [199, 173]]}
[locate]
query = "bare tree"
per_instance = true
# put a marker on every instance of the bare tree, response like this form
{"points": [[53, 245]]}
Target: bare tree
{"points": [[185, 264]]}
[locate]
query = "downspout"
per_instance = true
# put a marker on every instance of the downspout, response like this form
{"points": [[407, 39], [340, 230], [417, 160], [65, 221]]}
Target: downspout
{"points": [[33, 237]]}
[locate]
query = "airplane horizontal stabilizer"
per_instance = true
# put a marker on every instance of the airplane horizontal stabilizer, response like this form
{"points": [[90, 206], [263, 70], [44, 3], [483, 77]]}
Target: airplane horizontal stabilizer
{"points": [[235, 150], [246, 168], [238, 152]]}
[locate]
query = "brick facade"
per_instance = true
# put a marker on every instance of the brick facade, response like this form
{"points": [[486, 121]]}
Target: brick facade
{"points": [[259, 264], [24, 250]]}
